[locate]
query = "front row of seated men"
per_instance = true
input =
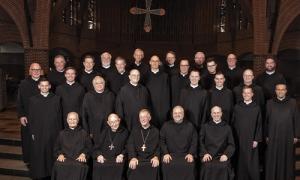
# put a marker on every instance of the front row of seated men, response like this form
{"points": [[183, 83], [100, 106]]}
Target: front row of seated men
{"points": [[146, 149]]}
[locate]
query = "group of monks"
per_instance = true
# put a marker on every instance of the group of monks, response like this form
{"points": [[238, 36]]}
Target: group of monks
{"points": [[151, 120]]}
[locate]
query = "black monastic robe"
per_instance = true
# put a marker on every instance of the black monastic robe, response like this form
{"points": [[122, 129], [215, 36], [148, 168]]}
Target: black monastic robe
{"points": [[71, 98], [178, 82], [247, 125], [56, 78], [115, 81], [27, 88], [282, 126], [71, 143], [178, 140], [135, 149], [130, 100], [194, 102], [268, 83], [45, 122], [233, 77], [207, 81], [222, 98], [110, 144], [86, 79], [96, 108], [159, 89], [143, 68], [216, 140]]}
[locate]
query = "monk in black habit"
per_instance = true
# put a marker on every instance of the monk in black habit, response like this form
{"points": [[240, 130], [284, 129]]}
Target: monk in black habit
{"points": [[89, 73], [27, 88], [118, 77], [268, 79], [157, 83], [257, 90], [178, 138], [207, 79], [221, 96], [179, 81], [194, 101], [106, 68], [56, 76], [71, 150], [96, 107], [139, 64], [71, 94], [233, 73], [282, 133], [169, 66], [110, 151], [199, 63], [131, 99], [143, 150], [216, 148], [45, 122], [247, 125]]}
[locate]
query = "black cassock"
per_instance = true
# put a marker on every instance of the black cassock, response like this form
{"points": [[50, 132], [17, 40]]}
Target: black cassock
{"points": [[86, 79], [45, 122], [110, 144], [222, 98], [268, 83], [178, 140], [56, 78], [258, 95], [233, 77], [216, 140], [96, 108], [71, 98], [159, 90], [201, 68], [130, 100], [137, 139], [106, 71], [247, 124], [170, 70], [143, 68], [27, 88], [282, 125], [178, 82], [207, 81], [116, 80], [71, 143], [194, 101]]}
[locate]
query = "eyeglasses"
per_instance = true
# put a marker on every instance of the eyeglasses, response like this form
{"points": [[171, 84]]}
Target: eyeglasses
{"points": [[35, 69], [212, 65]]}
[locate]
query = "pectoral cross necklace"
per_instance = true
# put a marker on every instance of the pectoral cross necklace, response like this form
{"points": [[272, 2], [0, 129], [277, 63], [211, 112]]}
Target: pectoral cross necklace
{"points": [[111, 146], [144, 140]]}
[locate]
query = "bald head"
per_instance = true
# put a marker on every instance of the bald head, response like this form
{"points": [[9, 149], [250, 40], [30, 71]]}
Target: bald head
{"points": [[178, 114], [134, 76], [113, 121], [216, 113], [105, 59], [199, 58], [35, 70]]}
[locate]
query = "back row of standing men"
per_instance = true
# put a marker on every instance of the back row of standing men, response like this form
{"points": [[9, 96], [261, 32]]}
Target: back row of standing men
{"points": [[159, 88]]}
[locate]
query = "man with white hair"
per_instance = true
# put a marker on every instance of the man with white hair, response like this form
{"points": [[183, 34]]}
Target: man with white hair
{"points": [[106, 67]]}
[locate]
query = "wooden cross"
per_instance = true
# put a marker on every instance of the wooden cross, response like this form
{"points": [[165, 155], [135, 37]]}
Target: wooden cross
{"points": [[148, 11]]}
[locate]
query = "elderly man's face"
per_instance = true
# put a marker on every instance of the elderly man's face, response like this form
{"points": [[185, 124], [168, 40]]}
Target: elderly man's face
{"points": [[280, 90], [134, 76], [138, 55], [216, 113], [113, 122], [120, 65], [248, 76], [105, 59], [72, 120], [144, 118], [99, 84]]}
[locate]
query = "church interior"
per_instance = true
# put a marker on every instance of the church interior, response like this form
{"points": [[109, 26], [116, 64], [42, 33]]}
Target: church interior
{"points": [[38, 30]]}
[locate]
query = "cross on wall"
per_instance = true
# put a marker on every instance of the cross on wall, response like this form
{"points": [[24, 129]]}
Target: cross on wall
{"points": [[148, 11]]}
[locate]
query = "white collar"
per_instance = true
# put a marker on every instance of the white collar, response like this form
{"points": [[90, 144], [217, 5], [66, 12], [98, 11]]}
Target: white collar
{"points": [[138, 64], [45, 94], [88, 72], [232, 68], [183, 74], [133, 84], [219, 88], [248, 102], [171, 65], [280, 99], [99, 92], [155, 71], [35, 79], [121, 72], [70, 83], [270, 72], [194, 86], [60, 71], [106, 66], [218, 122]]}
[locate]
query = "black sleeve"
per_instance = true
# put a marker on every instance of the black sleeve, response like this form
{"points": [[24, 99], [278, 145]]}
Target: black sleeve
{"points": [[99, 140], [85, 115], [57, 146], [87, 145], [229, 151], [193, 146], [20, 103], [202, 147], [163, 143], [258, 128], [131, 147]]}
